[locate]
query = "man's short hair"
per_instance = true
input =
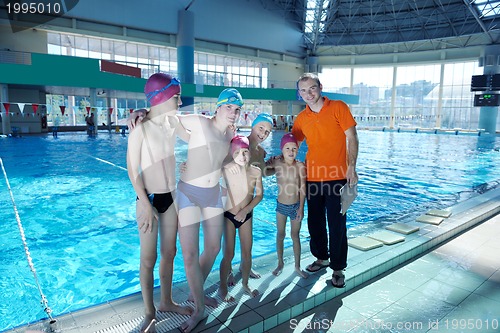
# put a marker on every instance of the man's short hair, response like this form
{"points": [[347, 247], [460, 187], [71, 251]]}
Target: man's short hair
{"points": [[307, 76]]}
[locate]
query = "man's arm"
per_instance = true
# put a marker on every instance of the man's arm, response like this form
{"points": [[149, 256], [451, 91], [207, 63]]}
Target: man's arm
{"points": [[352, 155], [297, 133]]}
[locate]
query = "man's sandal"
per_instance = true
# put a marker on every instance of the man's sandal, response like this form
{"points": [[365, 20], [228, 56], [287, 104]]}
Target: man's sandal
{"points": [[338, 281], [314, 267]]}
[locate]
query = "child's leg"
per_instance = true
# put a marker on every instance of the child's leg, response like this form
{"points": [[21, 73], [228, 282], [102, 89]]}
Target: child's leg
{"points": [[280, 238], [246, 241], [189, 236], [228, 255], [213, 224], [294, 233], [148, 256], [168, 249], [230, 279]]}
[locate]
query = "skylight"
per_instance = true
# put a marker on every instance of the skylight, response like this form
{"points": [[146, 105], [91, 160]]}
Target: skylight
{"points": [[316, 15], [487, 8]]}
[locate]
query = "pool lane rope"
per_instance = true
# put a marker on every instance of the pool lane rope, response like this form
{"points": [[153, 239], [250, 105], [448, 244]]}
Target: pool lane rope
{"points": [[43, 302]]}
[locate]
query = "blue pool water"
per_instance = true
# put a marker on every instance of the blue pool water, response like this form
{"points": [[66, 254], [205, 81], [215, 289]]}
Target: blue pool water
{"points": [[77, 207]]}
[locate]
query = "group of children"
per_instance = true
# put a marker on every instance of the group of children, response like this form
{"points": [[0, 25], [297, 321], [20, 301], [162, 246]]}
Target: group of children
{"points": [[151, 167], [243, 178]]}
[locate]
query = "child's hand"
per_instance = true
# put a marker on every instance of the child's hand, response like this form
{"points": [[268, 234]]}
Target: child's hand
{"points": [[300, 215], [136, 117], [241, 216], [233, 169], [182, 167], [146, 217], [270, 160]]}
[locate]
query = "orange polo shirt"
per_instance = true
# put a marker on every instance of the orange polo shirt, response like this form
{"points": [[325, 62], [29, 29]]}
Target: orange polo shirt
{"points": [[324, 132]]}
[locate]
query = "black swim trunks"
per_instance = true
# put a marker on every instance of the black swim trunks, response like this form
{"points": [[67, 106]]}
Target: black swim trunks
{"points": [[161, 201], [237, 224]]}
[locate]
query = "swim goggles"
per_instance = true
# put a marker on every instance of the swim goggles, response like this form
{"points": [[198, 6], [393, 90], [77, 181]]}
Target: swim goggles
{"points": [[173, 82], [230, 100]]}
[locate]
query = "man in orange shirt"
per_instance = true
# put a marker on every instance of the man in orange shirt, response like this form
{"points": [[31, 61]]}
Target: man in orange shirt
{"points": [[331, 163]]}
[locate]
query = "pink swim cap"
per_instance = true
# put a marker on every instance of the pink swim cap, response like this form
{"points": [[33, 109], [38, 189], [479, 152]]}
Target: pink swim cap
{"points": [[239, 142], [160, 88], [288, 138]]}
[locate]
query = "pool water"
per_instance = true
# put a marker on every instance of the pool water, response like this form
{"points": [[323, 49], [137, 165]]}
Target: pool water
{"points": [[77, 208]]}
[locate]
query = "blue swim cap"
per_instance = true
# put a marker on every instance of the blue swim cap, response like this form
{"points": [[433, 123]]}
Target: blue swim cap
{"points": [[262, 117], [230, 96]]}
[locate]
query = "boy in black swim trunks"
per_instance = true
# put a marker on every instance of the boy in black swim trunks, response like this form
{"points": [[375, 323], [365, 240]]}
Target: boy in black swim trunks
{"points": [[291, 178], [151, 169], [244, 193]]}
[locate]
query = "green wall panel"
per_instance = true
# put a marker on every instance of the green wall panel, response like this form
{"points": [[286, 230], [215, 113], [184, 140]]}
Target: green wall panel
{"points": [[65, 71]]}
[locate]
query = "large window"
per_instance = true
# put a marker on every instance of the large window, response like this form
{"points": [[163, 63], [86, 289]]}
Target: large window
{"points": [[394, 95], [210, 69], [76, 108], [418, 99]]}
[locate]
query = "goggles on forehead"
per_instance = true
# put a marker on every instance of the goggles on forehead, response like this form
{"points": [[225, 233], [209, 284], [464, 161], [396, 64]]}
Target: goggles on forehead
{"points": [[173, 82], [229, 100]]}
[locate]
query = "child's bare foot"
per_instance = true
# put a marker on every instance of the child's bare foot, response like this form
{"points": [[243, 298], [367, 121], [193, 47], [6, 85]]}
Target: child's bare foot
{"points": [[148, 325], [225, 295], [193, 321], [230, 280], [210, 301], [278, 270], [253, 274], [301, 273], [174, 307], [250, 292]]}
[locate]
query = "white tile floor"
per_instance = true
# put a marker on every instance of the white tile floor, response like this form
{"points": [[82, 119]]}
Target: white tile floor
{"points": [[454, 288], [397, 288]]}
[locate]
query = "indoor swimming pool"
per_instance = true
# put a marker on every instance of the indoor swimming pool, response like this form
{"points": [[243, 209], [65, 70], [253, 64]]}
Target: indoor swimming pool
{"points": [[77, 208]]}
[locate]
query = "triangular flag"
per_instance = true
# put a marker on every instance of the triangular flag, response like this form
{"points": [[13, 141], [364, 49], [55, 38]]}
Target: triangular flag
{"points": [[7, 107], [35, 107], [21, 107], [63, 108], [110, 110]]}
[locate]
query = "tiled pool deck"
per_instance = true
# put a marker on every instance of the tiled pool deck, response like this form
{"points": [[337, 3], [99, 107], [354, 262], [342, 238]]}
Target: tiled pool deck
{"points": [[287, 298]]}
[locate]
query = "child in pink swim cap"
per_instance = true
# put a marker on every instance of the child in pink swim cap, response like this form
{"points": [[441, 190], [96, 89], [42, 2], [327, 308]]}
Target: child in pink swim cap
{"points": [[161, 87], [286, 139], [291, 178], [239, 142], [245, 191], [153, 179], [261, 128]]}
